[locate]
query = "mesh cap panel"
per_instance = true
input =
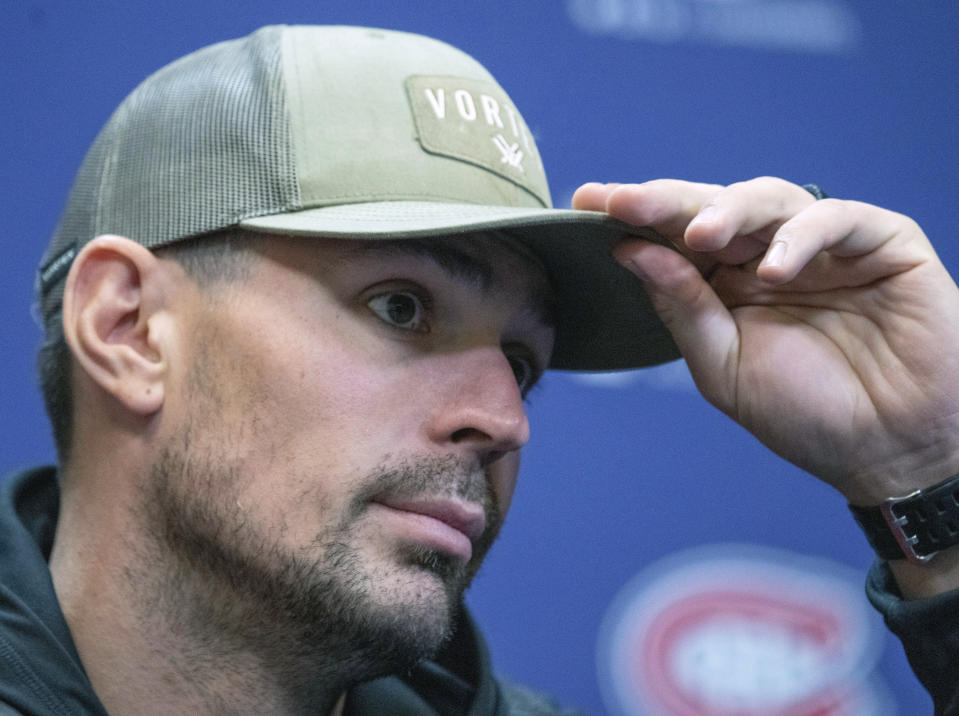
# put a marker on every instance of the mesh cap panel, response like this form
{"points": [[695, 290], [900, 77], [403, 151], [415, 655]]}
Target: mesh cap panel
{"points": [[200, 145]]}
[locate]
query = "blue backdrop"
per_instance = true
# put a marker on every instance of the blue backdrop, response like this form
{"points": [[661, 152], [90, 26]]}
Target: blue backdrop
{"points": [[858, 96]]}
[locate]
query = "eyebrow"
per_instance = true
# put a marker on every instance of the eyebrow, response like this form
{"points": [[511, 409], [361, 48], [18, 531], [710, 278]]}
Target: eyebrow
{"points": [[458, 264], [464, 267]]}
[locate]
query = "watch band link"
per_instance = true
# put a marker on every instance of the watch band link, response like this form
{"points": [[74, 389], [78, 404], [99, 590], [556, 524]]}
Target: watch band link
{"points": [[915, 526]]}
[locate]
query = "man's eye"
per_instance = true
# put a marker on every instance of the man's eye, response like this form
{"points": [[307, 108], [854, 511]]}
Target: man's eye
{"points": [[524, 372], [401, 309]]}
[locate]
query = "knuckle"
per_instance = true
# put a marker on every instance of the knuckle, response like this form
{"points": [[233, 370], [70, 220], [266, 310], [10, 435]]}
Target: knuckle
{"points": [[909, 225], [770, 184], [830, 208]]}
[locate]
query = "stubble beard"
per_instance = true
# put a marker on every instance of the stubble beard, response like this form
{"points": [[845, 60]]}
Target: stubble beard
{"points": [[318, 617]]}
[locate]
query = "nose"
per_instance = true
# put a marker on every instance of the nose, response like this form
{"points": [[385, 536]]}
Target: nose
{"points": [[480, 408]]}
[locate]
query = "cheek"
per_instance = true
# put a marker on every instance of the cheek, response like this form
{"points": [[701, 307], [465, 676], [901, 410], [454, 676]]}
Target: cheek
{"points": [[316, 390]]}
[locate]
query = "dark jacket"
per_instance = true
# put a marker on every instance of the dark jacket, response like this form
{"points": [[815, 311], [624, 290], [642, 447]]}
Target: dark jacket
{"points": [[41, 673], [929, 631]]}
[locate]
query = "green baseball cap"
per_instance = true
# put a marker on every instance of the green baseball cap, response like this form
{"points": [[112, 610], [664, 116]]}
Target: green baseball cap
{"points": [[349, 132]]}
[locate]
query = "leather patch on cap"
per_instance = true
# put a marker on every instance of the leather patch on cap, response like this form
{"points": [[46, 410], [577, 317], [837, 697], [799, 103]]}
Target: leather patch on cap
{"points": [[475, 122]]}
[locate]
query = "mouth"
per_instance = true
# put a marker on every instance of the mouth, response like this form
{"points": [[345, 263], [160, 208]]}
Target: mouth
{"points": [[449, 525]]}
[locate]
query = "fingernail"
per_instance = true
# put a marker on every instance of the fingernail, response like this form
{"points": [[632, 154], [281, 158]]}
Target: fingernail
{"points": [[632, 267], [776, 254], [705, 215]]}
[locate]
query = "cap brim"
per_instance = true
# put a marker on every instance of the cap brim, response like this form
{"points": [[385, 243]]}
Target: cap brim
{"points": [[605, 319]]}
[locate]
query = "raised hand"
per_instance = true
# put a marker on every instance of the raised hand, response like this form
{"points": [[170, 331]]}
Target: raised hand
{"points": [[829, 329]]}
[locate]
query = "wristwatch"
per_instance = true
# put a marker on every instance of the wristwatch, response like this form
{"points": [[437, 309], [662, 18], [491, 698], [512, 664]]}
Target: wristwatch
{"points": [[916, 526]]}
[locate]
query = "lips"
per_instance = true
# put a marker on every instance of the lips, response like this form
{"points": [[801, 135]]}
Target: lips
{"points": [[447, 524]]}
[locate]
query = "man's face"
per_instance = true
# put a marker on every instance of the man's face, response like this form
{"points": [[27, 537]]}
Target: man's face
{"points": [[344, 442]]}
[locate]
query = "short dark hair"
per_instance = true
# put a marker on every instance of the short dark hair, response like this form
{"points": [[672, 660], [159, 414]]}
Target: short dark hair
{"points": [[221, 256]]}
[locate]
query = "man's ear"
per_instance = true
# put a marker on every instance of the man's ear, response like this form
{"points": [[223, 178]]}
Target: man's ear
{"points": [[111, 298]]}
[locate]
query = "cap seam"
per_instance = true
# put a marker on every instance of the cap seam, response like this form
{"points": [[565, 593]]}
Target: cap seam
{"points": [[373, 198], [289, 69]]}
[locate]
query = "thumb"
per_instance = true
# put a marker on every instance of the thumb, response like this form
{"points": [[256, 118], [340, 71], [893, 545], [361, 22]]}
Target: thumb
{"points": [[699, 322]]}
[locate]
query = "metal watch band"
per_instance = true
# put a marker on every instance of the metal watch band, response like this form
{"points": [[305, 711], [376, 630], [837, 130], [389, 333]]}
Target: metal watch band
{"points": [[915, 526]]}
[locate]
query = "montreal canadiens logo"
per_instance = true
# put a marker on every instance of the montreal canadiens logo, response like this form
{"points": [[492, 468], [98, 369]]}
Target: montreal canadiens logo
{"points": [[740, 630]]}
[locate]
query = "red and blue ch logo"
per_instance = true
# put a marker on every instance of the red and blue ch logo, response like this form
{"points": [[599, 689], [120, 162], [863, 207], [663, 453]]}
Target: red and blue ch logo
{"points": [[741, 630]]}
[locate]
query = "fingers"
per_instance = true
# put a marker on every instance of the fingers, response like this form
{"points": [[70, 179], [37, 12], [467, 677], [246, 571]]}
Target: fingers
{"points": [[666, 205], [755, 208], [592, 196], [730, 225], [767, 231], [700, 323], [846, 229], [707, 216], [764, 218]]}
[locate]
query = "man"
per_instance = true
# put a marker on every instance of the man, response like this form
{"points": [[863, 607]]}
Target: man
{"points": [[303, 283]]}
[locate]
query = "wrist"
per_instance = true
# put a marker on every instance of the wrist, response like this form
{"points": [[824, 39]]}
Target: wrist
{"points": [[892, 476], [917, 581]]}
